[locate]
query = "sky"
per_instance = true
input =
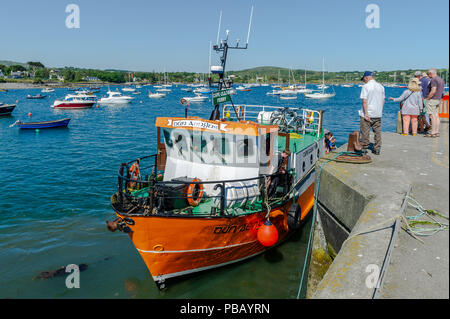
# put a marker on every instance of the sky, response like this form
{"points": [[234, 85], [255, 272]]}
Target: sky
{"points": [[174, 35]]}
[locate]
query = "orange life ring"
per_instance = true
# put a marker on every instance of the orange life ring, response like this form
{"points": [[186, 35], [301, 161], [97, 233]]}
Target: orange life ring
{"points": [[194, 193], [135, 173]]}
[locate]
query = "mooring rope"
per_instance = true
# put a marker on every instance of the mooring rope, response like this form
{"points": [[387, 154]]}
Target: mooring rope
{"points": [[316, 196]]}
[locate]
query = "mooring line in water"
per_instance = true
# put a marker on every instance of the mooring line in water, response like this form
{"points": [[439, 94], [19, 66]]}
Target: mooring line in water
{"points": [[316, 196]]}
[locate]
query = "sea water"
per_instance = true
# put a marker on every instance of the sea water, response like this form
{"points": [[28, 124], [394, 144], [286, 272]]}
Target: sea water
{"points": [[55, 197]]}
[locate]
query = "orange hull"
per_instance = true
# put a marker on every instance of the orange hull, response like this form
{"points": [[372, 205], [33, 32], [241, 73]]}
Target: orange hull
{"points": [[176, 246]]}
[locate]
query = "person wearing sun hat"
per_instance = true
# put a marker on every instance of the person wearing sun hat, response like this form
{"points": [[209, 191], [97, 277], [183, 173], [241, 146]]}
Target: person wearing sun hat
{"points": [[372, 96]]}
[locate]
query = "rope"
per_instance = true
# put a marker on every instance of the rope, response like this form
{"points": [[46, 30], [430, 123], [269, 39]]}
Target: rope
{"points": [[435, 226]]}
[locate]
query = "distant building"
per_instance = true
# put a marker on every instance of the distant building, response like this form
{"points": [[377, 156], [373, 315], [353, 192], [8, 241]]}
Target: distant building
{"points": [[19, 75], [91, 78], [1, 74]]}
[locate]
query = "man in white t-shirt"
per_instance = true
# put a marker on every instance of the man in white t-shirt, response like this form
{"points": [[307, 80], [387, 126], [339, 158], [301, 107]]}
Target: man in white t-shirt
{"points": [[373, 96]]}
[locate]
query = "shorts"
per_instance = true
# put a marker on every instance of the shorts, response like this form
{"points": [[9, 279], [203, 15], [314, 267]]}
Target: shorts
{"points": [[432, 106]]}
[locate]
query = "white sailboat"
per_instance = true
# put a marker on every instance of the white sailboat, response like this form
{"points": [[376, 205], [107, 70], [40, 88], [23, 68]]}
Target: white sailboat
{"points": [[321, 94]]}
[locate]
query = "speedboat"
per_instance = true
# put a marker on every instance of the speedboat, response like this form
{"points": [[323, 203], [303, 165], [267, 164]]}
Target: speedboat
{"points": [[38, 96], [6, 109], [75, 101], [319, 95], [47, 90], [155, 95], [288, 97], [164, 90], [115, 98], [202, 90], [186, 89], [197, 98], [128, 89], [242, 89]]}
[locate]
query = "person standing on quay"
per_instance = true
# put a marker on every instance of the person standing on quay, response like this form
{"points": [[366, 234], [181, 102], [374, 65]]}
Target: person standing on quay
{"points": [[424, 121], [372, 95], [433, 100], [412, 104]]}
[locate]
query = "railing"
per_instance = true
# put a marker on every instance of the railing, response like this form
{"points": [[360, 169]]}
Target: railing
{"points": [[296, 119], [151, 196]]}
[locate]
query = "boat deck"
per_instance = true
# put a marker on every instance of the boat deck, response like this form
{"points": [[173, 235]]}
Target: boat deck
{"points": [[297, 142]]}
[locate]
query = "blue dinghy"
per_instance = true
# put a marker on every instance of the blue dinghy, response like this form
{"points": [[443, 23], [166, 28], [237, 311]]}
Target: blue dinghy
{"points": [[41, 125]]}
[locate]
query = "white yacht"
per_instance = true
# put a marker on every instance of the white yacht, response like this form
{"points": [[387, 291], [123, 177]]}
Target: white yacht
{"points": [[128, 89], [115, 98], [321, 94], [47, 90]]}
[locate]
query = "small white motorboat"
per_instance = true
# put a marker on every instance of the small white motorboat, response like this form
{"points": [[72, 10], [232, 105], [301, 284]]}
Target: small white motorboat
{"points": [[288, 97], [319, 95], [197, 98], [47, 90], [155, 95], [128, 89], [115, 98]]}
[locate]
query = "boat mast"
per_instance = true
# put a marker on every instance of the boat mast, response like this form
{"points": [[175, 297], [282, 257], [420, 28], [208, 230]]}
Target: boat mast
{"points": [[224, 47], [323, 75]]}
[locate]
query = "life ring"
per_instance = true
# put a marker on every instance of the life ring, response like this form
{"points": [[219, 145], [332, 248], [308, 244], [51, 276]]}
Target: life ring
{"points": [[135, 173], [194, 193]]}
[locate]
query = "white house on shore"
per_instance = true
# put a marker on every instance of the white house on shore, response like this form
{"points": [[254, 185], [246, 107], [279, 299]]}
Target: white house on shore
{"points": [[1, 74]]}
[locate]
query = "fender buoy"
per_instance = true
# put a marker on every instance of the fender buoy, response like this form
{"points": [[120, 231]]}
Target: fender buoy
{"points": [[135, 173], [194, 193], [183, 101], [267, 234]]}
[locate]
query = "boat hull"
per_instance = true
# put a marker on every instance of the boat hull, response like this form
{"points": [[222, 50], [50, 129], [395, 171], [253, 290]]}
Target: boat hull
{"points": [[178, 246], [6, 109], [73, 105], [44, 125]]}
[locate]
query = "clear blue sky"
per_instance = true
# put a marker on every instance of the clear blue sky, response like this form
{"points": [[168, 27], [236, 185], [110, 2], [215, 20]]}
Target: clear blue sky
{"points": [[174, 35]]}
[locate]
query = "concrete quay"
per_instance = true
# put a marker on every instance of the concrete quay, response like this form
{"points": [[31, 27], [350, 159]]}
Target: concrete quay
{"points": [[358, 212]]}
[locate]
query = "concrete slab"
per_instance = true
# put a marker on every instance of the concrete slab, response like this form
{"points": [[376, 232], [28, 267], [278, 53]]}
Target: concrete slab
{"points": [[369, 196]]}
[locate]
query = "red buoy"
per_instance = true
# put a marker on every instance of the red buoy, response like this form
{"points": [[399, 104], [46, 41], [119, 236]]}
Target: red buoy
{"points": [[267, 234], [29, 114]]}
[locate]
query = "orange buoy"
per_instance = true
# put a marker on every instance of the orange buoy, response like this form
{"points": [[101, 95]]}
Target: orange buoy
{"points": [[267, 234]]}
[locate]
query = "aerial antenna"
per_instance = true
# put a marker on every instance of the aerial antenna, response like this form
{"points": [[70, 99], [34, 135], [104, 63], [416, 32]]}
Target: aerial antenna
{"points": [[249, 25], [218, 30]]}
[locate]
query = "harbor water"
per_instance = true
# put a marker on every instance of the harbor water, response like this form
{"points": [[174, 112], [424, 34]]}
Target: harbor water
{"points": [[56, 186]]}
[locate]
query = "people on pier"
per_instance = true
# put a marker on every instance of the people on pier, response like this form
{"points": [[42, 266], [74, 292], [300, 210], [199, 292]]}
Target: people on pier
{"points": [[433, 100], [423, 119], [372, 96], [411, 106], [329, 142]]}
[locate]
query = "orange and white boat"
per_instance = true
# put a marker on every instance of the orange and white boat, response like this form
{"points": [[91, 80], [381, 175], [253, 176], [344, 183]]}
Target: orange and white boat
{"points": [[218, 191]]}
